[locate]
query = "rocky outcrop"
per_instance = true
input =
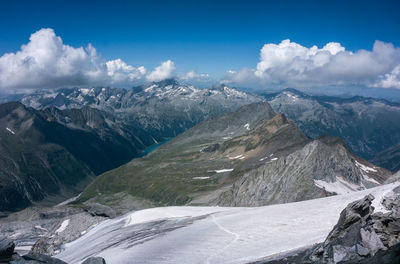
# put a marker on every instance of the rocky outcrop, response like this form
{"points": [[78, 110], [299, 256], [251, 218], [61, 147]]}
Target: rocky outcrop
{"points": [[94, 260], [360, 234], [7, 255], [6, 249], [96, 209]]}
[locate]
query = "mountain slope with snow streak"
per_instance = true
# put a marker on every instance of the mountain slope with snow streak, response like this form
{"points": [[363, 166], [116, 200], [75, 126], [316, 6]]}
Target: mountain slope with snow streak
{"points": [[214, 234]]}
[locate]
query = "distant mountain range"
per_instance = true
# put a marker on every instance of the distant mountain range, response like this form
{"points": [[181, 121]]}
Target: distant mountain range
{"points": [[250, 157], [164, 109], [368, 126]]}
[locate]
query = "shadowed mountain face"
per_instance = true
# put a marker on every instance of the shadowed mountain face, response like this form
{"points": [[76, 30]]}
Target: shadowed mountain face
{"points": [[51, 153], [389, 158], [249, 157], [368, 126], [164, 109]]}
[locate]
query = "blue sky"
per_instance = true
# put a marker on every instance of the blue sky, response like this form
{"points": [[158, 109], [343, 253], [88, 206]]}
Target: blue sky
{"points": [[205, 36]]}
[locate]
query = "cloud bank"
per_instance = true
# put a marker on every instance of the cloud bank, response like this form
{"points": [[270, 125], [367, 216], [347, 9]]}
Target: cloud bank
{"points": [[289, 64], [46, 62]]}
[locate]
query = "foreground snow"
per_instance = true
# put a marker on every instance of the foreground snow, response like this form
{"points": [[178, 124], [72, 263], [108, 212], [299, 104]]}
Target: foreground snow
{"points": [[213, 234]]}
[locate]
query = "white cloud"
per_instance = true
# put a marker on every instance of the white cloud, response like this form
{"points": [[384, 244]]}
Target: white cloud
{"points": [[164, 71], [120, 72], [46, 62], [290, 64], [194, 76]]}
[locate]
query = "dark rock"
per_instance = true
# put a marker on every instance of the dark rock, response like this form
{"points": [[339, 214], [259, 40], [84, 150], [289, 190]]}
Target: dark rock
{"points": [[6, 248], [40, 258], [211, 148], [101, 210], [94, 260]]}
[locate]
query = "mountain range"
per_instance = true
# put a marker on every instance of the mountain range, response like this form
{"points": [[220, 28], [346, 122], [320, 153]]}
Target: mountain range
{"points": [[250, 157], [368, 126], [52, 152]]}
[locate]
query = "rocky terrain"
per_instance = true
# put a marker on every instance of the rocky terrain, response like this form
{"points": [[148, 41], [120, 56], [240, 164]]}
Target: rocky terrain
{"points": [[250, 157], [366, 125]]}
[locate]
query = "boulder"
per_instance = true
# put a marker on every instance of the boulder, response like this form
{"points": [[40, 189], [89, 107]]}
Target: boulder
{"points": [[101, 210], [6, 248], [94, 260], [40, 258]]}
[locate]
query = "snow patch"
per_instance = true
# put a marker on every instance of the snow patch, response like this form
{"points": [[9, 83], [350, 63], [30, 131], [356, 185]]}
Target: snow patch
{"points": [[236, 157], [247, 126], [221, 171], [10, 130], [340, 186], [365, 168], [84, 91], [201, 178], [63, 226], [40, 228], [369, 179]]}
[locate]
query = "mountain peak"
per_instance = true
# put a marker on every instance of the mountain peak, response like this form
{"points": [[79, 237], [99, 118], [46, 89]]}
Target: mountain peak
{"points": [[167, 82]]}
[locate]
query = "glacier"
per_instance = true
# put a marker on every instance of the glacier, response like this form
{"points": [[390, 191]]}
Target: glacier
{"points": [[190, 234]]}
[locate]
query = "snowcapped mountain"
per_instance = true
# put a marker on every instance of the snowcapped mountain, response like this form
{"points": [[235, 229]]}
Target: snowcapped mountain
{"points": [[368, 126], [216, 234], [164, 108], [250, 157]]}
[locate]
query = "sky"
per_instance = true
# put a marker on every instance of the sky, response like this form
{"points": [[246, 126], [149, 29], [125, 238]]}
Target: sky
{"points": [[256, 44]]}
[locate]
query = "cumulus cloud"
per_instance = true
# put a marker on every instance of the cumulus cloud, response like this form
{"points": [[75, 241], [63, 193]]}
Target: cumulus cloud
{"points": [[164, 71], [194, 76], [291, 64], [46, 62], [120, 72]]}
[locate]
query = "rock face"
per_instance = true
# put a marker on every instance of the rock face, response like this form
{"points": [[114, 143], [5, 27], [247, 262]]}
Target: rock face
{"points": [[250, 157], [368, 126], [360, 234]]}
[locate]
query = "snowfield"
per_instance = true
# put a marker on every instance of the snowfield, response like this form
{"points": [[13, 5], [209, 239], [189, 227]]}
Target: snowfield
{"points": [[214, 234]]}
